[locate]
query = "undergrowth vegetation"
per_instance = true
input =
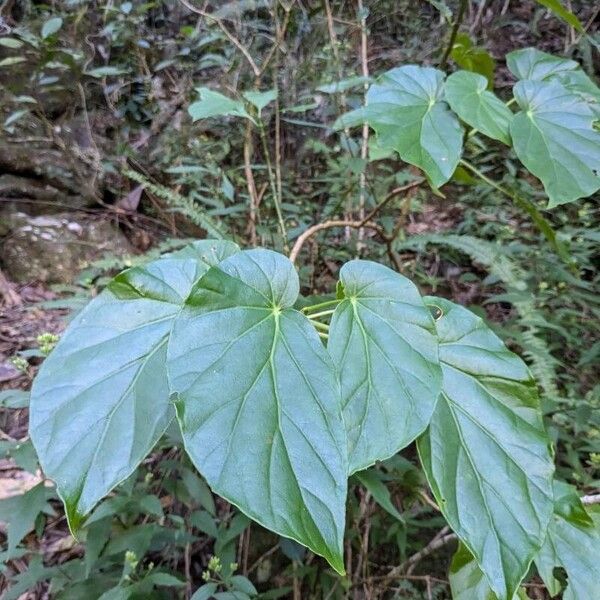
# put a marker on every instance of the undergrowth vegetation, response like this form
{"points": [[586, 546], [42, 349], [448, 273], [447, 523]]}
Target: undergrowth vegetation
{"points": [[283, 125]]}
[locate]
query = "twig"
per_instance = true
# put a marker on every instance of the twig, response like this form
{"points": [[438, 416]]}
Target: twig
{"points": [[589, 23], [273, 184], [536, 216], [295, 582], [435, 544], [328, 225], [391, 195], [188, 574], [401, 576], [364, 538], [262, 557], [251, 184], [591, 499], [341, 105], [478, 17], [454, 33], [365, 131], [366, 222], [429, 501], [228, 34], [279, 35], [443, 532]]}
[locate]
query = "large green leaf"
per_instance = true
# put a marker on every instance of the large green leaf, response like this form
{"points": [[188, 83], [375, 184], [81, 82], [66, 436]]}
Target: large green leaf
{"points": [[531, 63], [540, 66], [406, 109], [486, 454], [573, 543], [258, 401], [101, 399], [554, 137], [382, 341], [470, 99]]}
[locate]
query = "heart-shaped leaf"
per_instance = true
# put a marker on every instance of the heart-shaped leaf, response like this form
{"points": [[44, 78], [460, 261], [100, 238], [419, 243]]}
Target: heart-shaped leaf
{"points": [[554, 137], [406, 109], [382, 341], [258, 401], [470, 99], [486, 454], [531, 63], [572, 543], [104, 386]]}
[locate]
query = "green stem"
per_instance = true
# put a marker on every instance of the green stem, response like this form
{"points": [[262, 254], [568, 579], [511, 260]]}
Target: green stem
{"points": [[323, 313], [459, 17], [530, 208], [314, 307], [322, 326], [323, 335], [273, 184]]}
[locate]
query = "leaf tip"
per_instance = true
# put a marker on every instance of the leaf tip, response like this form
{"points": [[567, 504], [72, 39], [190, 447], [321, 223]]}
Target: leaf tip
{"points": [[74, 518]]}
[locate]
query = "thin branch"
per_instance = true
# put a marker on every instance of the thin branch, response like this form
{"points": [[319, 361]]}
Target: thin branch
{"points": [[589, 23], [328, 225], [251, 184], [391, 195], [273, 183], [366, 222], [279, 37], [536, 216], [454, 33], [364, 149], [263, 557], [228, 34], [439, 541], [591, 499]]}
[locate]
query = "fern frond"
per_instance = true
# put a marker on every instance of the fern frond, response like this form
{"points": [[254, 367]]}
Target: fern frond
{"points": [[181, 204]]}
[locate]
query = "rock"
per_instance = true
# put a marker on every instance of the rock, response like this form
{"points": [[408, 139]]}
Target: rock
{"points": [[52, 168], [35, 197], [53, 249]]}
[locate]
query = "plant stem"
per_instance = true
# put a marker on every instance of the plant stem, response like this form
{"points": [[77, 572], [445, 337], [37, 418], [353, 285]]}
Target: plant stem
{"points": [[364, 149], [323, 335], [273, 184], [314, 307], [322, 326], [536, 216], [459, 17], [323, 313]]}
